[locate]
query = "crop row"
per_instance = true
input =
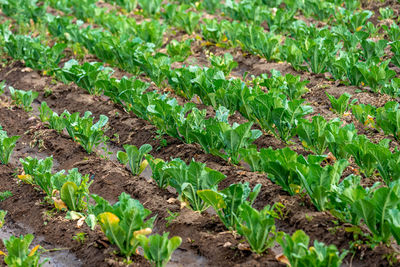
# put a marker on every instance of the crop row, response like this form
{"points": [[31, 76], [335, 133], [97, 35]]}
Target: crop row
{"points": [[126, 222], [348, 54], [292, 177]]}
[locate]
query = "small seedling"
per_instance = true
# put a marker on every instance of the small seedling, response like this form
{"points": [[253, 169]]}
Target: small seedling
{"points": [[172, 216], [4, 195], [80, 237]]}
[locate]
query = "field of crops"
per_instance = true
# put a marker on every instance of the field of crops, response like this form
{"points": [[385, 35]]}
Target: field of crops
{"points": [[199, 133]]}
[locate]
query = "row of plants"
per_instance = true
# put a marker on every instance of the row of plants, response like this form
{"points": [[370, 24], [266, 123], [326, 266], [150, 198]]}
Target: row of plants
{"points": [[369, 70], [161, 110], [363, 53], [70, 191], [125, 223]]}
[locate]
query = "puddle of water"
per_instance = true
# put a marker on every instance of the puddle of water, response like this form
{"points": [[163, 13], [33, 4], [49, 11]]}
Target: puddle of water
{"points": [[182, 258], [60, 258]]}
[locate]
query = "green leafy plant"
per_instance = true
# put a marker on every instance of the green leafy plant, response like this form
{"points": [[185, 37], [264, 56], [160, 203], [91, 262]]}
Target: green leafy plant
{"points": [[319, 181], [290, 85], [129, 5], [55, 121], [339, 136], [374, 210], [361, 150], [376, 73], [298, 253], [313, 134], [364, 114], [80, 237], [188, 179], [5, 194], [278, 114], [123, 222], [158, 171], [74, 189], [258, 227], [86, 75], [189, 21], [386, 13], [179, 51], [340, 105], [280, 165], [23, 98], [7, 145], [388, 118], [83, 130], [227, 202], [158, 249], [134, 157], [225, 64], [150, 7], [19, 254]]}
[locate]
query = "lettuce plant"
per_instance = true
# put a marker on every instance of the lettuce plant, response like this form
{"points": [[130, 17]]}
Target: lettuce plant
{"points": [[313, 134], [123, 222], [297, 251], [179, 51], [290, 85], [339, 136], [19, 254], [375, 210], [227, 202], [158, 249], [134, 156], [158, 172], [189, 21], [129, 5], [376, 73], [340, 105], [7, 145], [361, 150], [150, 7], [278, 114], [23, 98], [83, 130], [388, 118], [279, 164], [33, 165], [86, 75], [55, 121], [258, 227], [225, 64], [74, 189], [319, 181], [395, 48], [188, 179], [364, 114]]}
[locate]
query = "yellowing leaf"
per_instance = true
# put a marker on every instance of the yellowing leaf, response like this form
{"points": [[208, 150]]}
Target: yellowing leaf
{"points": [[145, 231], [33, 251], [2, 253], [26, 178], [59, 204], [109, 217], [358, 28], [143, 166], [282, 258]]}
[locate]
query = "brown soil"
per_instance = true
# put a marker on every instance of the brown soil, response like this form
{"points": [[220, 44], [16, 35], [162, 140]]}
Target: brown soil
{"points": [[203, 235]]}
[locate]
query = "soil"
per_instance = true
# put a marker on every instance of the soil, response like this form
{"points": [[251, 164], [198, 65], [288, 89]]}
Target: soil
{"points": [[205, 239]]}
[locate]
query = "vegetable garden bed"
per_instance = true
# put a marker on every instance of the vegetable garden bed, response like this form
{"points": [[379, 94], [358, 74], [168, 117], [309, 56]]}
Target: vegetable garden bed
{"points": [[301, 116]]}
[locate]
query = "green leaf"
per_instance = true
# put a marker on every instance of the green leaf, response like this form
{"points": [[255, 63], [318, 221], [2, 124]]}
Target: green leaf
{"points": [[68, 195]]}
